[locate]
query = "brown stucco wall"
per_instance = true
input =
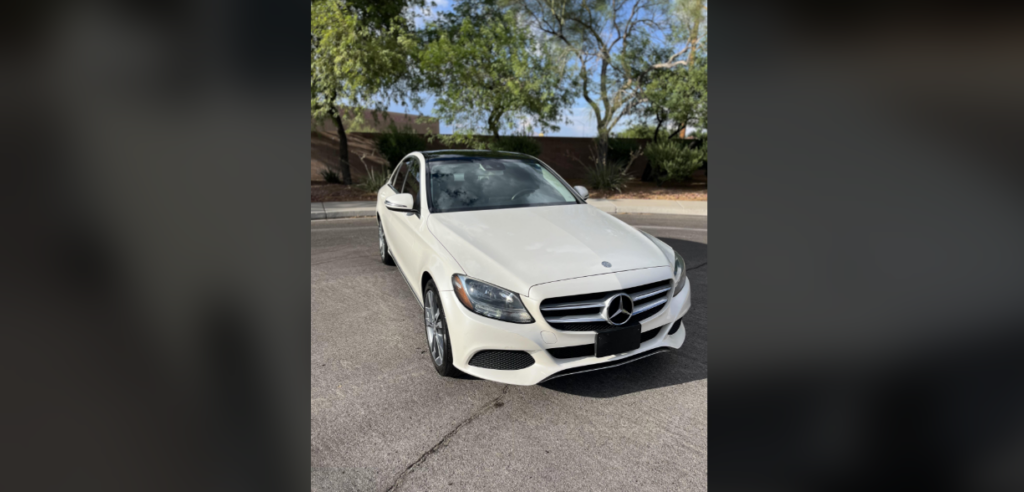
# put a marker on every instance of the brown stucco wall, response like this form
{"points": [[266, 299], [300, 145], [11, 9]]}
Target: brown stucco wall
{"points": [[555, 151]]}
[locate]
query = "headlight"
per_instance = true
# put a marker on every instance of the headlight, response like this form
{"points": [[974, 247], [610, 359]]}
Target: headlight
{"points": [[679, 274], [488, 300]]}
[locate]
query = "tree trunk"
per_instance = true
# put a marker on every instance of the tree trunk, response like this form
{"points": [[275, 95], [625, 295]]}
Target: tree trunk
{"points": [[602, 147], [492, 123], [648, 174], [346, 171]]}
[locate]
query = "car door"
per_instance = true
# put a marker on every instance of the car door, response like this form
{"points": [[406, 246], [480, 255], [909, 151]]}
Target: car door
{"points": [[387, 216], [410, 226]]}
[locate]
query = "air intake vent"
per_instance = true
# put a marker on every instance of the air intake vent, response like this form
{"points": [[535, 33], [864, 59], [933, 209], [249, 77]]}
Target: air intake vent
{"points": [[502, 360], [583, 312], [675, 326], [649, 334]]}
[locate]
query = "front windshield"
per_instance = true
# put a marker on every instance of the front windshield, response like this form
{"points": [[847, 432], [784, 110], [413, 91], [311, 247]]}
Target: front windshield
{"points": [[478, 183]]}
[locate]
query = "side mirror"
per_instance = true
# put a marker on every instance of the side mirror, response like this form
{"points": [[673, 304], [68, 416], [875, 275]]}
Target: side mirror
{"points": [[400, 203], [582, 191]]}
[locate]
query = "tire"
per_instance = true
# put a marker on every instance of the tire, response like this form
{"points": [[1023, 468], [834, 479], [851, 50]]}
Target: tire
{"points": [[385, 253], [437, 337]]}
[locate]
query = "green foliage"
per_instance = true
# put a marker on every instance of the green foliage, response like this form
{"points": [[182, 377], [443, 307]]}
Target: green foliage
{"points": [[678, 97], [517, 143], [362, 55], [617, 48], [489, 73], [375, 179], [607, 175], [642, 130], [620, 150], [378, 14], [675, 159], [359, 62], [396, 143], [330, 176]]}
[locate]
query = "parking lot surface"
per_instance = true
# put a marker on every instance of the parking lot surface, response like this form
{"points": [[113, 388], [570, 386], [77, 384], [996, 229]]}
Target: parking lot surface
{"points": [[382, 419]]}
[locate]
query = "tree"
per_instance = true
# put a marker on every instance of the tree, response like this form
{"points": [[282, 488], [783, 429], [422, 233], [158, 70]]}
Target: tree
{"points": [[640, 130], [488, 73], [618, 45], [677, 98], [358, 62]]}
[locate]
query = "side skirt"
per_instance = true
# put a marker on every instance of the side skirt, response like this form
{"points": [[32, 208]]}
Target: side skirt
{"points": [[402, 273]]}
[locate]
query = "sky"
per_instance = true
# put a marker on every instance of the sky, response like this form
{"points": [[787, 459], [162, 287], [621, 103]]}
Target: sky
{"points": [[580, 116]]}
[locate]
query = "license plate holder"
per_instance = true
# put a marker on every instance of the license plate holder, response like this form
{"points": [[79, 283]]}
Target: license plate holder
{"points": [[618, 341]]}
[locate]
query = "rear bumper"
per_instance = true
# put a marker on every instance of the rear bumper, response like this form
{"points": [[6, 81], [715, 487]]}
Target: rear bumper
{"points": [[471, 333]]}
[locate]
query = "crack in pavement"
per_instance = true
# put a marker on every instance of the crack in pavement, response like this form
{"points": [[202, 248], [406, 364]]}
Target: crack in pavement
{"points": [[484, 409], [698, 266]]}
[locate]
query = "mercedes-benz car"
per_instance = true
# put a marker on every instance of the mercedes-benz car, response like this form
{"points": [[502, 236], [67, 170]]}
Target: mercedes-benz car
{"points": [[520, 280]]}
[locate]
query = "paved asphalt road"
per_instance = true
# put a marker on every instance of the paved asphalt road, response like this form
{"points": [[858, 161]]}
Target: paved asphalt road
{"points": [[382, 419]]}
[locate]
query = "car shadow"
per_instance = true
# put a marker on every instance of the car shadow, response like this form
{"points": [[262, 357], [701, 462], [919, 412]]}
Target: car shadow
{"points": [[687, 364]]}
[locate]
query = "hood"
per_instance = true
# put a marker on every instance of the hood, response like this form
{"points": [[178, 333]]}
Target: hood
{"points": [[517, 248]]}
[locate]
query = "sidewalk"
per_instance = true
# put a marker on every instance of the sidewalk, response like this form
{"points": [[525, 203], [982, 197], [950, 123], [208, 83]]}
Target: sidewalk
{"points": [[339, 210]]}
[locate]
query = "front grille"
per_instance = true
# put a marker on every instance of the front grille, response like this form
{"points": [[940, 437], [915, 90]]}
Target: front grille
{"points": [[503, 360], [589, 350], [583, 312]]}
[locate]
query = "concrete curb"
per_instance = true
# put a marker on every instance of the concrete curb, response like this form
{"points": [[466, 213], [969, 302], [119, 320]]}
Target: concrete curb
{"points": [[340, 210]]}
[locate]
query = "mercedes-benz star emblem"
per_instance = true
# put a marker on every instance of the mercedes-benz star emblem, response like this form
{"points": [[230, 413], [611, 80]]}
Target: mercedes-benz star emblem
{"points": [[606, 264], [618, 309]]}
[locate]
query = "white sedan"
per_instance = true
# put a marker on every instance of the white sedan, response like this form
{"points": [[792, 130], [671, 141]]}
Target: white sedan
{"points": [[520, 280]]}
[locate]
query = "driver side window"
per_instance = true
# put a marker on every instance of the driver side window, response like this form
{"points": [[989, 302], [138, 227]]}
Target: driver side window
{"points": [[412, 181], [399, 176]]}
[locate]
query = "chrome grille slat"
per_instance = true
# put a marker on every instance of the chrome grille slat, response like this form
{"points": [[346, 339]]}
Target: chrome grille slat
{"points": [[574, 319], [648, 306], [639, 296], [573, 305]]}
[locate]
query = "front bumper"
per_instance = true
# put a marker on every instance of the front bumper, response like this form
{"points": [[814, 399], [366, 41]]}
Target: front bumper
{"points": [[471, 333]]}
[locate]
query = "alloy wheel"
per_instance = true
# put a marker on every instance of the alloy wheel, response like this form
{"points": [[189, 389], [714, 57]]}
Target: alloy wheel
{"points": [[436, 331]]}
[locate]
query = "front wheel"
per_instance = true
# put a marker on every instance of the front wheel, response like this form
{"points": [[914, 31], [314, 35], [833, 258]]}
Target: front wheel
{"points": [[438, 342], [385, 255]]}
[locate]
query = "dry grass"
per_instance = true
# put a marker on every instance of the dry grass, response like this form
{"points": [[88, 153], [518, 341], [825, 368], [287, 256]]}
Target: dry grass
{"points": [[324, 192]]}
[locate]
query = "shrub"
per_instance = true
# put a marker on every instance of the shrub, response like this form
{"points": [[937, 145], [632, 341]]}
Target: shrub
{"points": [[675, 159], [607, 176], [376, 176], [620, 149], [517, 143], [330, 176], [375, 179], [638, 131], [394, 144]]}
